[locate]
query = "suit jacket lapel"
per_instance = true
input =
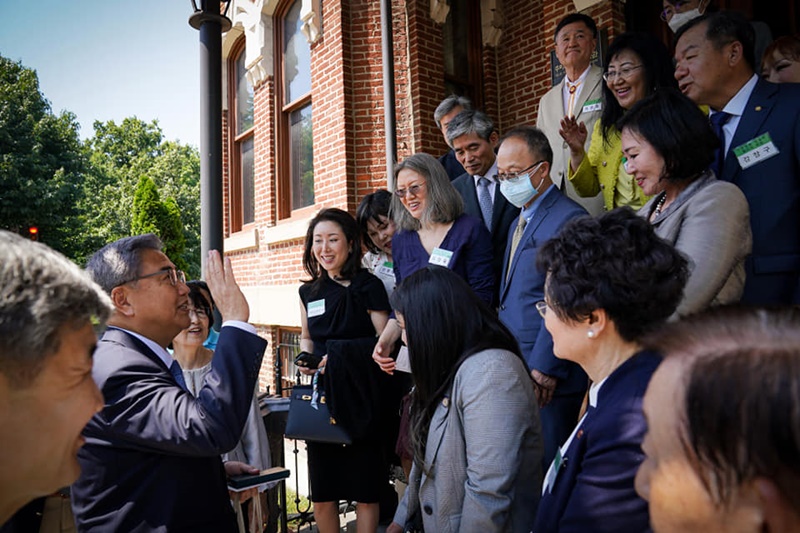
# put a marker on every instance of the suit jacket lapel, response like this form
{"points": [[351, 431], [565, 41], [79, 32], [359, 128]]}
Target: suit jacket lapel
{"points": [[533, 224], [589, 85], [500, 206], [119, 336], [758, 108]]}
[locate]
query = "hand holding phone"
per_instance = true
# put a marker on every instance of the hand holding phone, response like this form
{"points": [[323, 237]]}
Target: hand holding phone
{"points": [[307, 360]]}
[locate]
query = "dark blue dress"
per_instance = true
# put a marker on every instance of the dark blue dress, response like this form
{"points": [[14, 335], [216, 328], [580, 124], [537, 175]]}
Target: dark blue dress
{"points": [[471, 247]]}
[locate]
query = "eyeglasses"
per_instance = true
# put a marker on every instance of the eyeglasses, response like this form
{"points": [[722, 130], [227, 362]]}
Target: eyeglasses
{"points": [[541, 306], [623, 73], [173, 273], [200, 313], [674, 8], [413, 190], [515, 175]]}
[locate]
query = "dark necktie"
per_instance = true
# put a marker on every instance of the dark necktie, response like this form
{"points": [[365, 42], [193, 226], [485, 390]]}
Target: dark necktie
{"points": [[485, 200], [718, 120], [177, 373]]}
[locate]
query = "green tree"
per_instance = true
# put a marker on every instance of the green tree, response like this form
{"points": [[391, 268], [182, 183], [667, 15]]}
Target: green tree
{"points": [[151, 215], [41, 161], [119, 154]]}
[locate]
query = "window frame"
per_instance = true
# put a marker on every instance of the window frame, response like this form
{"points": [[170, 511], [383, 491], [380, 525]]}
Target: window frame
{"points": [[235, 141], [473, 83], [283, 163]]}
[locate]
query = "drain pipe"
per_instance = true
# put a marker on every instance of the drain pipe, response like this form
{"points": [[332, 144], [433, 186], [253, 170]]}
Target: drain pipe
{"points": [[389, 120]]}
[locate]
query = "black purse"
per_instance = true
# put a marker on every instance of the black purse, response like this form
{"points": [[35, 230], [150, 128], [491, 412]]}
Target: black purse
{"points": [[310, 424]]}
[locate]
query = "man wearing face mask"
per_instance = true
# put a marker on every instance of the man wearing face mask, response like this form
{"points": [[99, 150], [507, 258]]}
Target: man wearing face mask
{"points": [[523, 164], [676, 13]]}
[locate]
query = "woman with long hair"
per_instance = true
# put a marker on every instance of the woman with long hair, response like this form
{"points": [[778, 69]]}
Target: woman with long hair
{"points": [[341, 301], [475, 423], [638, 65]]}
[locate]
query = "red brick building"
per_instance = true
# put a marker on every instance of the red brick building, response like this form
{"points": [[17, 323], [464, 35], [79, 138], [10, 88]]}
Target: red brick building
{"points": [[303, 114]]}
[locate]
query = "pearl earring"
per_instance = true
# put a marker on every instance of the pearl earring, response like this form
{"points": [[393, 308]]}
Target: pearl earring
{"points": [[590, 334]]}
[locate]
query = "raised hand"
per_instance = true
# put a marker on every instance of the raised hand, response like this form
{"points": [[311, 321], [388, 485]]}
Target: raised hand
{"points": [[227, 295], [574, 133]]}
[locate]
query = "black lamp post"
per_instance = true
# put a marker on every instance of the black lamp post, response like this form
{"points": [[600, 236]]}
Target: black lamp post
{"points": [[211, 22]]}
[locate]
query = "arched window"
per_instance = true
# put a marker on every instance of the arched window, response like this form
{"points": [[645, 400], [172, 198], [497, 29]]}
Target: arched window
{"points": [[295, 141], [242, 164]]}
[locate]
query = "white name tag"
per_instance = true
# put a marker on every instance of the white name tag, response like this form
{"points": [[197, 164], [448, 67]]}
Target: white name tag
{"points": [[755, 151], [316, 308], [592, 105], [440, 257], [552, 472], [386, 269]]}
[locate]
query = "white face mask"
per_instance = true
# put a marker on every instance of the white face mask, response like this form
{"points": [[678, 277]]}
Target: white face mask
{"points": [[679, 19]]}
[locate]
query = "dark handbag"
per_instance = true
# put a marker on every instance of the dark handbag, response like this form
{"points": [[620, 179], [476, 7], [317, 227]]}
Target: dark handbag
{"points": [[315, 425]]}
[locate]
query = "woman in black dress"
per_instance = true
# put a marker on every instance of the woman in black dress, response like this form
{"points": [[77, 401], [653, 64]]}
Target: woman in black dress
{"points": [[341, 301]]}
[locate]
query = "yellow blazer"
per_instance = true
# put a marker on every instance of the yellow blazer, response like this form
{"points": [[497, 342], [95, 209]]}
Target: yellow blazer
{"points": [[601, 168]]}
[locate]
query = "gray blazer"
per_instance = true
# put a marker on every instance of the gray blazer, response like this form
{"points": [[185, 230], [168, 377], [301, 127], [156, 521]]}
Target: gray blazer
{"points": [[551, 111], [484, 451], [709, 223]]}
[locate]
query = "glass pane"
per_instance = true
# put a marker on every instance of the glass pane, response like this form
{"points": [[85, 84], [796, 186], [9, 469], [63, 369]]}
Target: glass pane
{"points": [[455, 37], [246, 153], [244, 98], [296, 56], [302, 158]]}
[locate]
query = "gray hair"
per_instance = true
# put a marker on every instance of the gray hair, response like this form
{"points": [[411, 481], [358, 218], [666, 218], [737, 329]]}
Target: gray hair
{"points": [[467, 122], [118, 263], [444, 203], [40, 291], [448, 104], [537, 142]]}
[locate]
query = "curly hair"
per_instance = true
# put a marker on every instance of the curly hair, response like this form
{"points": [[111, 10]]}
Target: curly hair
{"points": [[617, 263]]}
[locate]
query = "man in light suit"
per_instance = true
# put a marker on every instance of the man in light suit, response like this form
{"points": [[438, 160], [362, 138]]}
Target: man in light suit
{"points": [[473, 138], [151, 460], [523, 164], [580, 95], [444, 113], [759, 125]]}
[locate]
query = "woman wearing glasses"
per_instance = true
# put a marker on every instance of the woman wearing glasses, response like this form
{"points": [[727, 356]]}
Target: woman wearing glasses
{"points": [[610, 281], [195, 362], [432, 228], [637, 65]]}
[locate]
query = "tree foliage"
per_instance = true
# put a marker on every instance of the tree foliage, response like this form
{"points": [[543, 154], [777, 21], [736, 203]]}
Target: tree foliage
{"points": [[119, 156], [41, 160], [151, 215]]}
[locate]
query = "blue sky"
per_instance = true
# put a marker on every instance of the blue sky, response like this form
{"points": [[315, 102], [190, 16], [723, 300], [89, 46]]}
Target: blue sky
{"points": [[110, 59]]}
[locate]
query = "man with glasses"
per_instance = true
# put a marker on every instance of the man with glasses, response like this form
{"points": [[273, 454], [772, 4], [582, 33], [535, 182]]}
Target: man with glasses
{"points": [[151, 460], [523, 163], [578, 95]]}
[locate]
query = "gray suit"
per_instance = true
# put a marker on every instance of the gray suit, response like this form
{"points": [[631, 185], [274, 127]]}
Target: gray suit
{"points": [[709, 223], [484, 450], [551, 111]]}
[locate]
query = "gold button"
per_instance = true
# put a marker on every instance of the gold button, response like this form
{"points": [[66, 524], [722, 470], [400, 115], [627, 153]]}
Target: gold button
{"points": [[758, 108]]}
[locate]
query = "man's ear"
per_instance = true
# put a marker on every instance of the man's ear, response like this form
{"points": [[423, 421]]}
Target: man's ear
{"points": [[735, 53], [493, 138], [120, 299]]}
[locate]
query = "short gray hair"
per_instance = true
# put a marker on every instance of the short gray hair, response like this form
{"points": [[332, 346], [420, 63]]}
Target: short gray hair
{"points": [[444, 203], [448, 104], [118, 263], [467, 122], [40, 291]]}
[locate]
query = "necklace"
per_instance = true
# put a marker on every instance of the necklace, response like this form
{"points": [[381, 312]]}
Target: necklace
{"points": [[660, 204]]}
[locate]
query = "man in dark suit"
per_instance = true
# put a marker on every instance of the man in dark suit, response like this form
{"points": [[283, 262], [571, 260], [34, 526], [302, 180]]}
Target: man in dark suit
{"points": [[523, 164], [444, 113], [759, 125], [473, 138], [152, 456]]}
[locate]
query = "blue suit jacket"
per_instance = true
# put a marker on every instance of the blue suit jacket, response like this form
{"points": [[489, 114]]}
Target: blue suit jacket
{"points": [[151, 461], [451, 165], [593, 489], [504, 214], [772, 188], [524, 286]]}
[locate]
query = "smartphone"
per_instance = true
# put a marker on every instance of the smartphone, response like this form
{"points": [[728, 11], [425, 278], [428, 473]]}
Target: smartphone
{"points": [[307, 360], [245, 481]]}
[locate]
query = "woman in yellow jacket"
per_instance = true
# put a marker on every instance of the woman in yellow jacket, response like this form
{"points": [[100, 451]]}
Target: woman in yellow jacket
{"points": [[637, 64]]}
